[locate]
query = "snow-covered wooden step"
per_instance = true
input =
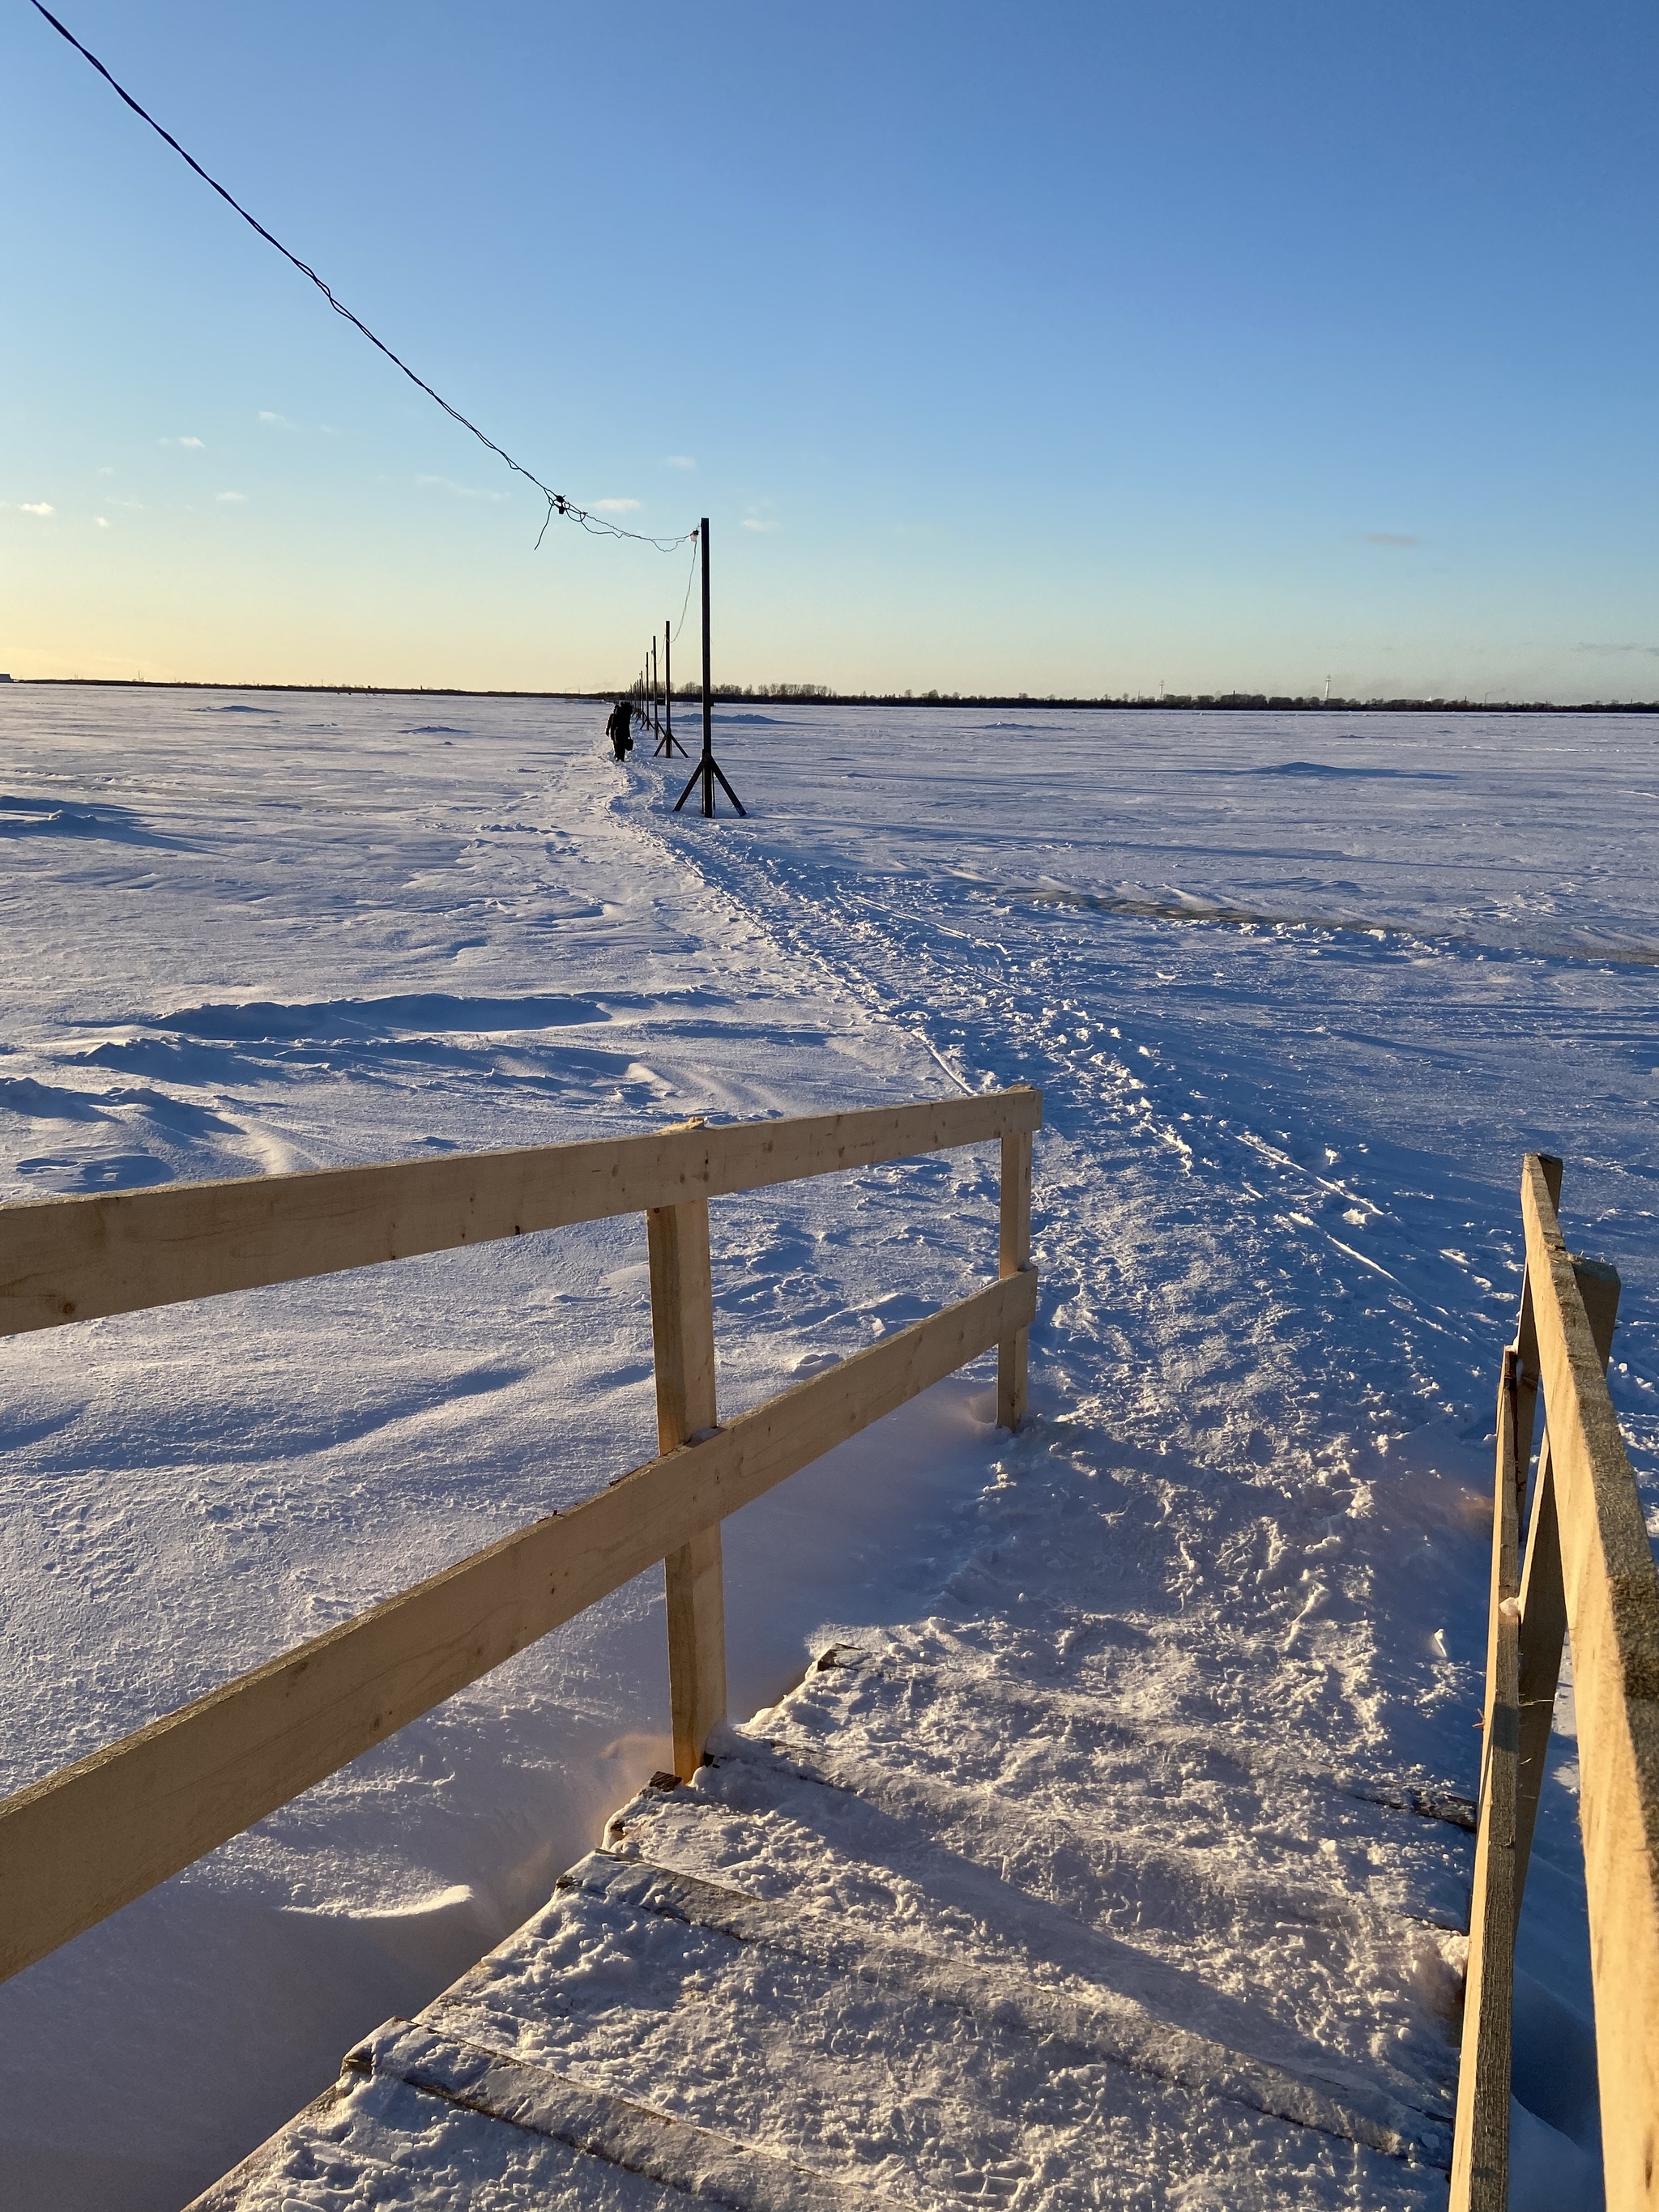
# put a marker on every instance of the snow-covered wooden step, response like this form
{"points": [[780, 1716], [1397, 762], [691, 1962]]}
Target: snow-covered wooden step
{"points": [[887, 2065], [932, 1706], [421, 2118], [1321, 1983], [932, 1674], [1116, 2029]]}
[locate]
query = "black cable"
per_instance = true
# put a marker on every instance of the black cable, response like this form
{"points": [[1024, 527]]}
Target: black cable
{"points": [[690, 580], [556, 501]]}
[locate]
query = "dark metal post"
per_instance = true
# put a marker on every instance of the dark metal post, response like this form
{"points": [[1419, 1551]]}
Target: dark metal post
{"points": [[667, 743], [708, 768], [706, 764]]}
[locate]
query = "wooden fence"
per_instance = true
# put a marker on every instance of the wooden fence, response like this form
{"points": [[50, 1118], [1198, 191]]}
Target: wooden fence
{"points": [[76, 1846], [1589, 1576]]}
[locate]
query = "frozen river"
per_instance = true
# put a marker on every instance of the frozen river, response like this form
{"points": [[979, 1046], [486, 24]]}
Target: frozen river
{"points": [[1300, 990]]}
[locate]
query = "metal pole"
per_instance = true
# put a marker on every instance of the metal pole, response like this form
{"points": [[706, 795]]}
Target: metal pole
{"points": [[708, 770], [666, 742]]}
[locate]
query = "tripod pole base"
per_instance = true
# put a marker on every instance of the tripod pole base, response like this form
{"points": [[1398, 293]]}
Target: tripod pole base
{"points": [[705, 773]]}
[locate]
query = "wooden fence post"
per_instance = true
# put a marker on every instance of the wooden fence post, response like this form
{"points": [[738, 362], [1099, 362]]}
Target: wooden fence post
{"points": [[682, 1335], [1014, 1255], [1480, 2141]]}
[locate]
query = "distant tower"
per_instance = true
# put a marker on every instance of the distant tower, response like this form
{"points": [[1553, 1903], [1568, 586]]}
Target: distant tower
{"points": [[1326, 700]]}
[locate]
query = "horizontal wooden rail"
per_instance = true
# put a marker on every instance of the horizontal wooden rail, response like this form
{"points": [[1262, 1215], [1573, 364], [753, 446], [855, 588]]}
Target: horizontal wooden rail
{"points": [[86, 1840], [73, 1259]]}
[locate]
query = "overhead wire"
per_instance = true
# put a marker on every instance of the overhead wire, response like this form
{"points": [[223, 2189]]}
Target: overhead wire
{"points": [[596, 525], [690, 580]]}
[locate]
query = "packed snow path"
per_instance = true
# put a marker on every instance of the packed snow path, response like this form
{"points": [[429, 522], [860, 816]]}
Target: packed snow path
{"points": [[951, 1922], [1300, 990]]}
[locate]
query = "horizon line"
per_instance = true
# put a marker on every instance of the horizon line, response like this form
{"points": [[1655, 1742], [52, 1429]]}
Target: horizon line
{"points": [[813, 694]]}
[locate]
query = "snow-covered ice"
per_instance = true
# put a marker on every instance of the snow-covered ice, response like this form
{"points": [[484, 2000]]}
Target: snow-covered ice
{"points": [[1300, 991]]}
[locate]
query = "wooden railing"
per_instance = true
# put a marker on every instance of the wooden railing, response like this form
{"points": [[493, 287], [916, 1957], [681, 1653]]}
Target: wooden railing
{"points": [[79, 1844], [1589, 1576]]}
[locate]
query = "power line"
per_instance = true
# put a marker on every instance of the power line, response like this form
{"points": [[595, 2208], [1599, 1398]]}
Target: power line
{"points": [[556, 501], [691, 579]]}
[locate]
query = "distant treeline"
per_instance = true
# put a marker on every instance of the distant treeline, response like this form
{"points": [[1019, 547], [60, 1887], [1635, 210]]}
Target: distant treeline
{"points": [[820, 694]]}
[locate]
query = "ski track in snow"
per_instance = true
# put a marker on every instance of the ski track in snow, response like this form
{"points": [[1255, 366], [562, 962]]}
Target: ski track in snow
{"points": [[1296, 1019]]}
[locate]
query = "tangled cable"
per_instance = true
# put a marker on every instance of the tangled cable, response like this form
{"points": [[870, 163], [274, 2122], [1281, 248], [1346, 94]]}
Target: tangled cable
{"points": [[556, 501]]}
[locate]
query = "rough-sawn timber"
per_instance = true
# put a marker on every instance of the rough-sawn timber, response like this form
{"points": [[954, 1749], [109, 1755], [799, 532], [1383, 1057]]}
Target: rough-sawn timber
{"points": [[75, 1259]]}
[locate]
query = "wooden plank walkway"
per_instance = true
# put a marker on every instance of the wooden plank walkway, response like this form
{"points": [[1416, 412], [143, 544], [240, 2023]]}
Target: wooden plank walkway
{"points": [[830, 1972]]}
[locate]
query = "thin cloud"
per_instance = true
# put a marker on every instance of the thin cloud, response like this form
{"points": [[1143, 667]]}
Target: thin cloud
{"points": [[103, 522], [754, 522], [459, 491], [275, 421], [1653, 650], [1387, 538], [615, 506], [195, 444], [679, 461], [231, 498], [36, 506]]}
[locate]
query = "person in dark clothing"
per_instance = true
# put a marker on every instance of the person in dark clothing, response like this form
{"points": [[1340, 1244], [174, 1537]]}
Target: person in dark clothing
{"points": [[617, 729]]}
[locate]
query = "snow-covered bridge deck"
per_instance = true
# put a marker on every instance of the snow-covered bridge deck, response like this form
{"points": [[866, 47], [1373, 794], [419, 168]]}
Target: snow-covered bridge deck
{"points": [[957, 1919]]}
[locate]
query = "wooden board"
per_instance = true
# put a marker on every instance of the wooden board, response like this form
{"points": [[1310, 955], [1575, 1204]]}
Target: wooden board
{"points": [[1014, 1252], [682, 1321], [1480, 2143], [683, 1338], [1526, 1346], [78, 1846], [72, 1258], [1543, 1596], [1613, 1618], [694, 1587]]}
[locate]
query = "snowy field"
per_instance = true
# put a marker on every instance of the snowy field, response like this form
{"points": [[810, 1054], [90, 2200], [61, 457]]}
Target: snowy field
{"points": [[1300, 991]]}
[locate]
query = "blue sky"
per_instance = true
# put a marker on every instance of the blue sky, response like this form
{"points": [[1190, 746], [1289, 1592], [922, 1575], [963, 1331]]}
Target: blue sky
{"points": [[1049, 348]]}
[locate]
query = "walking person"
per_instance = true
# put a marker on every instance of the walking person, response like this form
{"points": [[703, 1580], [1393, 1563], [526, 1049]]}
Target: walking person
{"points": [[617, 728]]}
